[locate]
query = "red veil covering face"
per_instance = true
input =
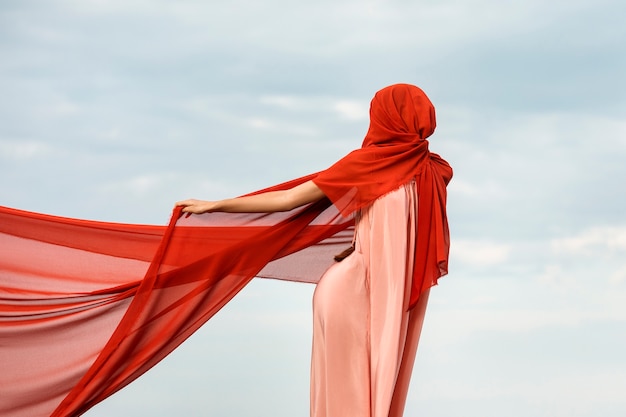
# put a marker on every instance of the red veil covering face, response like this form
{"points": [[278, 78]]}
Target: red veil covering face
{"points": [[87, 307]]}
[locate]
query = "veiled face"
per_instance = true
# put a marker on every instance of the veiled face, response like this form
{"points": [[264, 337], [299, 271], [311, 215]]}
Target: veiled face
{"points": [[400, 113]]}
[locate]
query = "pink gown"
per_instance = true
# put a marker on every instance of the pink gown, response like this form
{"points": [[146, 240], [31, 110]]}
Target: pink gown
{"points": [[364, 339]]}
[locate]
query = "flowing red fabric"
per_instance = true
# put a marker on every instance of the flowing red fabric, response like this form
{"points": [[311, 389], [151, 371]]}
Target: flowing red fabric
{"points": [[87, 307], [394, 151]]}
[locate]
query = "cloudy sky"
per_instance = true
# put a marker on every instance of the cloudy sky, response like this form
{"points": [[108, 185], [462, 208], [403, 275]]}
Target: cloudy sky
{"points": [[114, 110]]}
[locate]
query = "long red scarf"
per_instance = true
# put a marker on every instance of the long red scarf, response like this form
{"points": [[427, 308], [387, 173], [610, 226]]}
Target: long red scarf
{"points": [[87, 307]]}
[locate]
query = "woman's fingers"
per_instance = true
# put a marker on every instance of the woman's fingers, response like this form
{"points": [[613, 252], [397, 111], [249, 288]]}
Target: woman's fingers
{"points": [[194, 206]]}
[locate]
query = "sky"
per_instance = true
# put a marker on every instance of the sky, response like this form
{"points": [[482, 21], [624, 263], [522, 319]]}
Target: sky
{"points": [[114, 110]]}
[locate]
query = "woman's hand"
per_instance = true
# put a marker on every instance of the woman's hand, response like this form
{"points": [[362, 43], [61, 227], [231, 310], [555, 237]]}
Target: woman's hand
{"points": [[196, 206]]}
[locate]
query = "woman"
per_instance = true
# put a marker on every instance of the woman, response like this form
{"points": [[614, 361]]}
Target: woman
{"points": [[369, 308]]}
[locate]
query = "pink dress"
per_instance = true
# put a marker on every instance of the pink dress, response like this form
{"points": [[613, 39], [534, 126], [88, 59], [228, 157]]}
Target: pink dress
{"points": [[364, 339]]}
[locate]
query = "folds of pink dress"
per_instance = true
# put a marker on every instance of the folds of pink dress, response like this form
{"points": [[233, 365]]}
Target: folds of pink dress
{"points": [[364, 339]]}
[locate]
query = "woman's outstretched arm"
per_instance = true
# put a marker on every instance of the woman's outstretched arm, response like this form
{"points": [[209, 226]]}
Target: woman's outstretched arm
{"points": [[272, 201]]}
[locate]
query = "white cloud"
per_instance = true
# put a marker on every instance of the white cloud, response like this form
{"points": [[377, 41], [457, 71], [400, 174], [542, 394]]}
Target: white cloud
{"points": [[282, 127], [285, 102], [26, 149], [459, 323], [174, 184], [602, 241], [547, 394], [560, 279], [352, 110], [479, 253], [618, 276], [484, 189], [111, 7], [260, 123], [139, 185]]}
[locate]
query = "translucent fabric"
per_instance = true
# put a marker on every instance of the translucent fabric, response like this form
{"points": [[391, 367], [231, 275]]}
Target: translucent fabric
{"points": [[87, 307], [364, 336]]}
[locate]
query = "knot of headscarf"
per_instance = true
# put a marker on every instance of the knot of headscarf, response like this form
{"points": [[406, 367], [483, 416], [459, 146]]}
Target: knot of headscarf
{"points": [[394, 152]]}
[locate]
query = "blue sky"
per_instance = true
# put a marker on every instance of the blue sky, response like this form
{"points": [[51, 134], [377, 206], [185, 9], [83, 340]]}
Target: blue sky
{"points": [[114, 110]]}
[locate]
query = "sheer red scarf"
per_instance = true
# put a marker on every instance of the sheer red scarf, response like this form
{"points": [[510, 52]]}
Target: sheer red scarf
{"points": [[86, 307], [394, 151]]}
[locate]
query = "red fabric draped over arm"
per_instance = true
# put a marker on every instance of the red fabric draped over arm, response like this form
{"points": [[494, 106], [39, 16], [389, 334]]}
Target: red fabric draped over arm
{"points": [[87, 307]]}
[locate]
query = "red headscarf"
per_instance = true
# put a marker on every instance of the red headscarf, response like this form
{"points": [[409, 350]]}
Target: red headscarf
{"points": [[394, 151]]}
